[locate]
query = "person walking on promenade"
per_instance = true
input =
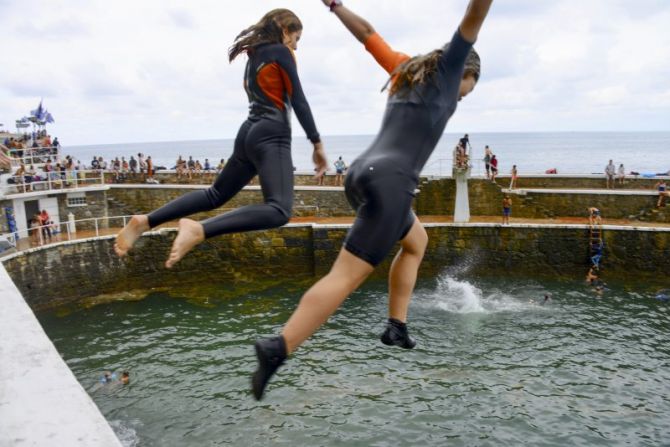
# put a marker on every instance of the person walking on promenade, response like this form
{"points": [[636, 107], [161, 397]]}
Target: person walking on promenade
{"points": [[610, 170], [262, 146], [424, 93], [507, 210], [514, 176], [494, 168], [487, 161]]}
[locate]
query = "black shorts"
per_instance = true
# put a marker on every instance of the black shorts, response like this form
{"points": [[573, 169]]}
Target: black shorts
{"points": [[382, 196]]}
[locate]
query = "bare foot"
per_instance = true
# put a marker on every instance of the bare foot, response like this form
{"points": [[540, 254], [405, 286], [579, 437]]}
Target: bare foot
{"points": [[130, 233], [191, 233]]}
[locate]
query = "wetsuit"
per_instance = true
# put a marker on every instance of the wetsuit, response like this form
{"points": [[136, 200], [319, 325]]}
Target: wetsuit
{"points": [[262, 146], [381, 182]]}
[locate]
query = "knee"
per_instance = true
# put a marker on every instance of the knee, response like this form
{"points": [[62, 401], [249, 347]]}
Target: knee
{"points": [[281, 216], [215, 199]]}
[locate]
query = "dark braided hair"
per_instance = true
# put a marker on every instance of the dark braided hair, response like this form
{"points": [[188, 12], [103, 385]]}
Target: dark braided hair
{"points": [[419, 69], [270, 29]]}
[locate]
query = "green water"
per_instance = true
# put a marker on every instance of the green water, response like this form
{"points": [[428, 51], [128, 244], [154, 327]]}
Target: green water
{"points": [[493, 367]]}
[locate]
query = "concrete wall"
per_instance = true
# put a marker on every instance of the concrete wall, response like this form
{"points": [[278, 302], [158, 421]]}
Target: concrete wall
{"points": [[437, 198], [41, 402], [143, 199], [71, 272]]}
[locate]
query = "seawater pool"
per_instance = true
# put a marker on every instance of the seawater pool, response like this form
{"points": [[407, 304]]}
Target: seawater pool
{"points": [[493, 367]]}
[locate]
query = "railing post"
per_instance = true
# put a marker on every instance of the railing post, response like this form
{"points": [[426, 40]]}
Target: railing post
{"points": [[67, 227], [96, 228]]}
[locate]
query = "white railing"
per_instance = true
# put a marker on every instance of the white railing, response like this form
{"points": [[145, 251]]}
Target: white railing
{"points": [[33, 155], [38, 235], [445, 165], [55, 180], [41, 235]]}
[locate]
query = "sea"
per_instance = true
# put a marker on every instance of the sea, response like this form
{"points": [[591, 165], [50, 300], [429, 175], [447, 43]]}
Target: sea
{"points": [[533, 152]]}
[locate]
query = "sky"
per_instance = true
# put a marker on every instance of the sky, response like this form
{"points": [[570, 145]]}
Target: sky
{"points": [[157, 70]]}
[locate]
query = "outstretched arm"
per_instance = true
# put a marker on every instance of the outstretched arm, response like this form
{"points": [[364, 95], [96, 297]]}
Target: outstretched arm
{"points": [[385, 56], [358, 26], [474, 18]]}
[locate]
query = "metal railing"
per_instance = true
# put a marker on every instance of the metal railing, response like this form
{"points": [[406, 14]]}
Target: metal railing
{"points": [[40, 235], [55, 180], [33, 155]]}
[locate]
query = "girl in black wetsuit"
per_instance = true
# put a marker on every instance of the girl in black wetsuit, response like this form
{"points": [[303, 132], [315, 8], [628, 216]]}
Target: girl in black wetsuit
{"points": [[262, 146], [380, 185]]}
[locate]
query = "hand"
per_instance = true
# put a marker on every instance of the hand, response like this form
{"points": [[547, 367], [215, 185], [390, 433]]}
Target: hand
{"points": [[319, 159]]}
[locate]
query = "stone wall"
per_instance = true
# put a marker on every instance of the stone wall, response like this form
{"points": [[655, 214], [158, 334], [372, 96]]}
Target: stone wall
{"points": [[305, 203], [437, 198], [96, 206], [71, 272]]}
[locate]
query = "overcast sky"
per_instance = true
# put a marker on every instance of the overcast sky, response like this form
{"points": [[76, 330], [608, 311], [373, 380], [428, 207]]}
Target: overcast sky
{"points": [[157, 70]]}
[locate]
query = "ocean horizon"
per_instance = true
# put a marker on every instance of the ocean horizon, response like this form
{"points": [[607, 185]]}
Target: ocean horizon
{"points": [[533, 152]]}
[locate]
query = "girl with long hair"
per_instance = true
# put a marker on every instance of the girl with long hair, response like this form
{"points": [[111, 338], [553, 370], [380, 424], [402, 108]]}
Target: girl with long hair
{"points": [[380, 185], [262, 146]]}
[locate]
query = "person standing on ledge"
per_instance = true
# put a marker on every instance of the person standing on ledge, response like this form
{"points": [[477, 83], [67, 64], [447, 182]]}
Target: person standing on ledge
{"points": [[610, 170], [424, 93], [262, 146], [507, 209]]}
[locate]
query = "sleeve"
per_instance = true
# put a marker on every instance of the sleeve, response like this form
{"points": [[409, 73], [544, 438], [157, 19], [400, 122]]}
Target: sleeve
{"points": [[383, 53], [455, 53], [299, 103]]}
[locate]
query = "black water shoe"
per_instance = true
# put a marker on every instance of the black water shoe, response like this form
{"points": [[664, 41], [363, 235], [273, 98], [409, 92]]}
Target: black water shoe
{"points": [[396, 334], [271, 354]]}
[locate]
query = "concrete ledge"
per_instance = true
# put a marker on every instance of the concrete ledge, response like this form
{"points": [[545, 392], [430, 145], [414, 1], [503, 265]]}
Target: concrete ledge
{"points": [[205, 186], [604, 192], [41, 402]]}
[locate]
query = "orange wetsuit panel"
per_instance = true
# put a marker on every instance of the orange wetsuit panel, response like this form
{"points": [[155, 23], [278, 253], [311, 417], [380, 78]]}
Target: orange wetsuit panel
{"points": [[275, 83], [383, 53]]}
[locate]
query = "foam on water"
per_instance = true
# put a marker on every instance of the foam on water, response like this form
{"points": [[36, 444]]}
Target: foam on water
{"points": [[126, 434], [463, 297]]}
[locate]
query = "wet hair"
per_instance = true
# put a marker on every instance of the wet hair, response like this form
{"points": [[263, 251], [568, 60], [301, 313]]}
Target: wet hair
{"points": [[421, 68], [270, 29]]}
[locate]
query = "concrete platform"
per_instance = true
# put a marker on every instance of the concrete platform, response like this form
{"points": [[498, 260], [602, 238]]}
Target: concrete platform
{"points": [[41, 402]]}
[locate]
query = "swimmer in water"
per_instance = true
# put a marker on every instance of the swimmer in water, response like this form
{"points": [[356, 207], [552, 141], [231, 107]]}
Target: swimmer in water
{"points": [[125, 378], [262, 146], [423, 94], [547, 298]]}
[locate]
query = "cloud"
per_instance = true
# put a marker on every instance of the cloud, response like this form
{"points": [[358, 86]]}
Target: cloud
{"points": [[158, 69]]}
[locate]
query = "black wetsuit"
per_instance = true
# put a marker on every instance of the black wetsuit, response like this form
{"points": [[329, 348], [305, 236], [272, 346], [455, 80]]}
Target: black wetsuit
{"points": [[262, 146], [381, 182]]}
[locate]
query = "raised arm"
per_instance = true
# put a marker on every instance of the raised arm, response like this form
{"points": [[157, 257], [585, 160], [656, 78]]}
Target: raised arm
{"points": [[357, 25], [474, 18], [385, 56]]}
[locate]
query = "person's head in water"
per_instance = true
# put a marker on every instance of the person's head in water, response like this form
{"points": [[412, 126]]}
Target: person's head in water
{"points": [[125, 377], [421, 69], [277, 26]]}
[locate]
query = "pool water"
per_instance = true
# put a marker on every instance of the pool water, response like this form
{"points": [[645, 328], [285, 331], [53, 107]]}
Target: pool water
{"points": [[494, 365]]}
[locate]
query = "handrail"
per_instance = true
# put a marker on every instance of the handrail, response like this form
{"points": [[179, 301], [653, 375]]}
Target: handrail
{"points": [[71, 226], [32, 155], [53, 179]]}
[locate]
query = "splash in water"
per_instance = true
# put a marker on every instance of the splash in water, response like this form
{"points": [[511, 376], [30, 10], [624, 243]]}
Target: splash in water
{"points": [[463, 297]]}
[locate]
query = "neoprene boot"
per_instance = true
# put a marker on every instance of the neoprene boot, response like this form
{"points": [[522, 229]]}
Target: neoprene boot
{"points": [[396, 334], [271, 354]]}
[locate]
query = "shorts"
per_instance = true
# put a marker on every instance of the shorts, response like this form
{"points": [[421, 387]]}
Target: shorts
{"points": [[382, 196], [339, 171], [507, 212]]}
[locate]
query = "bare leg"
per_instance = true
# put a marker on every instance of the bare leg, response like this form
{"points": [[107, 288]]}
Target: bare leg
{"points": [[324, 297], [404, 269], [190, 234], [130, 233]]}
